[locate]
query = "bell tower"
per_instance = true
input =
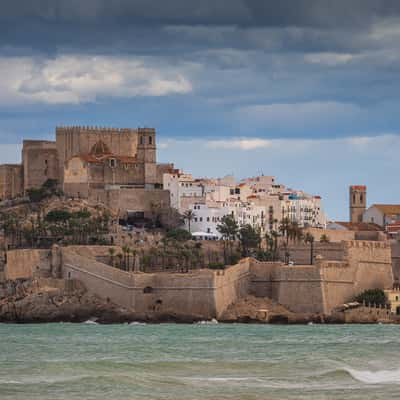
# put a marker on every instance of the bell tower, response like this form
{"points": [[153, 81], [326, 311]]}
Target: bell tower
{"points": [[146, 153], [358, 202]]}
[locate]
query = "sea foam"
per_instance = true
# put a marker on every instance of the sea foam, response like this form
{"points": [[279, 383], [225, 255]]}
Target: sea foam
{"points": [[375, 377]]}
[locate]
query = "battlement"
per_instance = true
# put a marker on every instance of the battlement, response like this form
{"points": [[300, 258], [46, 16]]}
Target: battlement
{"points": [[102, 129], [93, 129], [366, 244]]}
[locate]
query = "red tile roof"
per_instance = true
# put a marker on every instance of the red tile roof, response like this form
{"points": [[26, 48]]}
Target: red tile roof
{"points": [[360, 226], [96, 159]]}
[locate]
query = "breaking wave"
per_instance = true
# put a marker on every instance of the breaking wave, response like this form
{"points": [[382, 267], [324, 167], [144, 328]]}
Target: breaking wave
{"points": [[374, 377]]}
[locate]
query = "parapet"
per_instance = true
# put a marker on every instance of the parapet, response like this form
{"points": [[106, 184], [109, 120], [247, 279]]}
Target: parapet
{"points": [[99, 129], [358, 244]]}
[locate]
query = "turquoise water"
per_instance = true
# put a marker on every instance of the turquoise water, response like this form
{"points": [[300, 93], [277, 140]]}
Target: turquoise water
{"points": [[88, 361]]}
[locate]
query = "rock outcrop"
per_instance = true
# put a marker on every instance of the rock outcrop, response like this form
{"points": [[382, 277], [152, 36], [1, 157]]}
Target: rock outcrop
{"points": [[55, 300]]}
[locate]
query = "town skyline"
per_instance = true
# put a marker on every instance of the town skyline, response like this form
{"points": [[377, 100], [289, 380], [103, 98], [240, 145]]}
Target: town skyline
{"points": [[307, 93]]}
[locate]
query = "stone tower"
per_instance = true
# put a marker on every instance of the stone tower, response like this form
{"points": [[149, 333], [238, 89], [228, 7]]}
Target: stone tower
{"points": [[146, 153], [358, 202]]}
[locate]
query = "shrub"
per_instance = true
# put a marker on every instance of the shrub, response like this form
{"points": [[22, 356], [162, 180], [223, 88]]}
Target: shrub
{"points": [[178, 234], [372, 296], [58, 216], [216, 265]]}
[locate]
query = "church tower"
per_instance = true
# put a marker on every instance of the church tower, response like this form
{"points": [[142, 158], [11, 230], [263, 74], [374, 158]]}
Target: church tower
{"points": [[358, 202], [146, 153]]}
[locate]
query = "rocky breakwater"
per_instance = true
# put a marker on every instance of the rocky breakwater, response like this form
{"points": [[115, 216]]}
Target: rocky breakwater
{"points": [[55, 300]]}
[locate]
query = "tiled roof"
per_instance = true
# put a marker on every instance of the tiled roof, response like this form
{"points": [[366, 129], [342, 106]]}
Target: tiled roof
{"points": [[91, 158], [359, 226], [388, 208]]}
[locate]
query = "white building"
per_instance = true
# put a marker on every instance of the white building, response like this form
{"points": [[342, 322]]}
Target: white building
{"points": [[382, 214], [182, 187], [305, 210]]}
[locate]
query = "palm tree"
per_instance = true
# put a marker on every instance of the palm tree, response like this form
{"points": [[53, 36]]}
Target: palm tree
{"points": [[125, 250], [111, 252], [229, 230], [284, 228], [189, 216], [310, 239]]}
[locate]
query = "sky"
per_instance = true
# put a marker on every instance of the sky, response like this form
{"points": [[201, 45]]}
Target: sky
{"points": [[305, 90]]}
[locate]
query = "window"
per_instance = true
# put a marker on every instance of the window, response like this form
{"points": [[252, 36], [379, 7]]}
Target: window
{"points": [[201, 219], [113, 162], [208, 219], [150, 139], [142, 140]]}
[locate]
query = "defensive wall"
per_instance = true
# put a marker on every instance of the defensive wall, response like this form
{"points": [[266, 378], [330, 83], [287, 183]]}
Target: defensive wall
{"points": [[205, 293], [301, 253], [26, 263]]}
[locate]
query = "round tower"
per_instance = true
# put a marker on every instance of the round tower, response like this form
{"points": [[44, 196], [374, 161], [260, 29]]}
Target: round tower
{"points": [[358, 202]]}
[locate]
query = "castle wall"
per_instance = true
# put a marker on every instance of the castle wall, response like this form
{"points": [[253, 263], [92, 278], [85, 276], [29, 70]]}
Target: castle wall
{"points": [[40, 162], [135, 199], [299, 288], [334, 235], [72, 141], [231, 285], [11, 181], [206, 293], [301, 253], [179, 294], [26, 263], [396, 260]]}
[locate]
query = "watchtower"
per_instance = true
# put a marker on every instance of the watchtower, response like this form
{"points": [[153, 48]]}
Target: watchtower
{"points": [[357, 202], [146, 153]]}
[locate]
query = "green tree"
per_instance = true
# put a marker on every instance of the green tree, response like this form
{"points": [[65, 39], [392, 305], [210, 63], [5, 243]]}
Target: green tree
{"points": [[373, 297], [249, 239], [229, 229], [324, 238], [180, 235], [111, 252], [284, 228], [58, 216]]}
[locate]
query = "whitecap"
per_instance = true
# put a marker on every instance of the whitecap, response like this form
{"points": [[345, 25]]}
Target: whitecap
{"points": [[375, 377], [91, 322]]}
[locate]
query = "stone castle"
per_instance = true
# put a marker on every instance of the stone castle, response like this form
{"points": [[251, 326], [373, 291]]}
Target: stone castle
{"points": [[115, 166]]}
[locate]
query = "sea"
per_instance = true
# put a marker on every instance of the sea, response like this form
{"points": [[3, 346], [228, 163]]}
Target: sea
{"points": [[199, 361]]}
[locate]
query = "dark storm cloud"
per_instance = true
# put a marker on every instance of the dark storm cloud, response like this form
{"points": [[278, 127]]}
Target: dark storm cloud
{"points": [[319, 13]]}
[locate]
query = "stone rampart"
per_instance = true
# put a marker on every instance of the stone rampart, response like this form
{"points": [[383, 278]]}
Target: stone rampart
{"points": [[206, 294], [300, 253], [180, 294], [26, 263]]}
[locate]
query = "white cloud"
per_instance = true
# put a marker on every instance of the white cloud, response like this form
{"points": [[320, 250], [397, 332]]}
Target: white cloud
{"points": [[77, 78], [327, 58], [241, 144]]}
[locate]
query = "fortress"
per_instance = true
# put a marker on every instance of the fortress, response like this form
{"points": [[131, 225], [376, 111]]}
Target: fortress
{"points": [[205, 293], [115, 166]]}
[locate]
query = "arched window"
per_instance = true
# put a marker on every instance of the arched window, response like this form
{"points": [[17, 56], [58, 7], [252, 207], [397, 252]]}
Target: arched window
{"points": [[150, 139]]}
